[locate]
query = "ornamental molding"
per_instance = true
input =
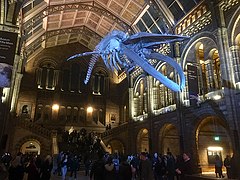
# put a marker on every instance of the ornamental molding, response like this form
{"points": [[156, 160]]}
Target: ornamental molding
{"points": [[228, 4]]}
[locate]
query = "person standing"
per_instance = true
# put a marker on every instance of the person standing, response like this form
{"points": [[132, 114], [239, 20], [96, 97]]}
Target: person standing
{"points": [[145, 167], [97, 170], [64, 166], [170, 166], [125, 169], [186, 167], [218, 167], [74, 167], [46, 168], [234, 167], [16, 169], [109, 169], [159, 168], [32, 170], [227, 164]]}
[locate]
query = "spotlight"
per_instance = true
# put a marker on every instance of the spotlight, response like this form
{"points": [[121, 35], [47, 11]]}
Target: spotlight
{"points": [[55, 107], [90, 109]]}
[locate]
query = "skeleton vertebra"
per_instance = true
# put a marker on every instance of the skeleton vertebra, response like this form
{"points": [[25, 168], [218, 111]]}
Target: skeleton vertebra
{"points": [[138, 48]]}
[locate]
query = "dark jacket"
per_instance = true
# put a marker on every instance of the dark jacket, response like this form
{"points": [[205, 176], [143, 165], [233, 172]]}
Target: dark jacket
{"points": [[97, 170], [125, 171]]}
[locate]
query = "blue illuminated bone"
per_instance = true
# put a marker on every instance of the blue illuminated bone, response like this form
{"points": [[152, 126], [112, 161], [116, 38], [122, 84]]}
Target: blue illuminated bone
{"points": [[121, 51]]}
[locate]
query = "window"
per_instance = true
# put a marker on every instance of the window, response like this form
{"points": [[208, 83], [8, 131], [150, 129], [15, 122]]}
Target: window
{"points": [[180, 7], [75, 114], [30, 4], [82, 114], [98, 84], [177, 11], [46, 77], [152, 21], [140, 97]]}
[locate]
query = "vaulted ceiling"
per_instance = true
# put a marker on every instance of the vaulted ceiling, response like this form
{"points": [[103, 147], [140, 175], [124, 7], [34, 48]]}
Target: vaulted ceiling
{"points": [[49, 23], [56, 22]]}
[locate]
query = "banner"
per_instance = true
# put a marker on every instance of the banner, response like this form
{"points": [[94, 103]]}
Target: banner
{"points": [[8, 42], [192, 76]]}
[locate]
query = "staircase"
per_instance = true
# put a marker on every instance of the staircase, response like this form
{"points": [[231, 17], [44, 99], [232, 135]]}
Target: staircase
{"points": [[36, 129], [32, 127], [115, 130]]}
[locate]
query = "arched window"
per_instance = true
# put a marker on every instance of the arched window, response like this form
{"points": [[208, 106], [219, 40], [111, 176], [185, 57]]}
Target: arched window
{"points": [[98, 83], [46, 76], [209, 75], [163, 89], [75, 114], [140, 97], [73, 79], [202, 76], [216, 70], [82, 114]]}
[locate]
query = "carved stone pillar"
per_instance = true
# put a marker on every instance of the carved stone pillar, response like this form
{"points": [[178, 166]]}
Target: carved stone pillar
{"points": [[15, 94], [131, 103], [209, 75], [236, 63], [150, 94], [16, 82]]}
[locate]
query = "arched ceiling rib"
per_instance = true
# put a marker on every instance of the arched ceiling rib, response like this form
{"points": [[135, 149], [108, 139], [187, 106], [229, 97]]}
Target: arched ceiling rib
{"points": [[57, 22]]}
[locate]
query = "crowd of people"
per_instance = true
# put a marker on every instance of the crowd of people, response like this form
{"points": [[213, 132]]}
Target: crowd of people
{"points": [[105, 166], [26, 166], [84, 150], [141, 167], [79, 142]]}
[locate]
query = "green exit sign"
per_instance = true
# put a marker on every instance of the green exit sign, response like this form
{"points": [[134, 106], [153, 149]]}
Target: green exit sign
{"points": [[216, 138]]}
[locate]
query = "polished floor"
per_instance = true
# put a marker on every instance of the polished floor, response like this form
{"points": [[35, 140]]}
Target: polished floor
{"points": [[82, 177]]}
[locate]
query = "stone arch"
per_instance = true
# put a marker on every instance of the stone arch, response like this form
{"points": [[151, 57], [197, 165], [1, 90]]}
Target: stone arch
{"points": [[99, 80], [46, 60], [211, 53], [142, 144], [31, 147], [115, 146], [101, 70], [169, 139], [21, 142], [136, 83], [234, 23], [188, 54], [160, 66], [212, 137], [237, 40]]}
